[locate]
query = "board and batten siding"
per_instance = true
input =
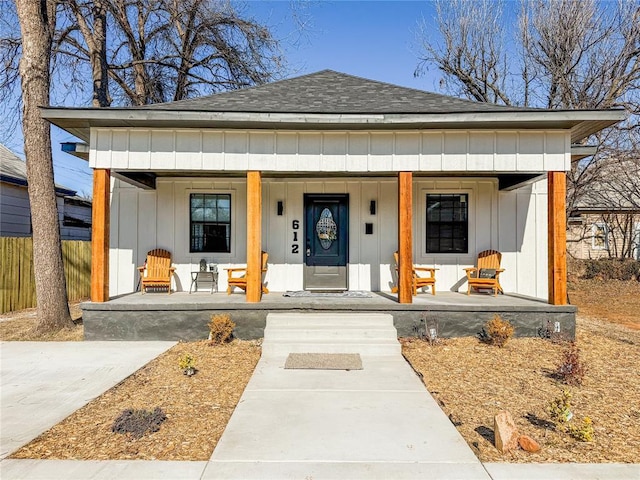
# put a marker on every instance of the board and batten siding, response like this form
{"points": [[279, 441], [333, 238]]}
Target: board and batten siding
{"points": [[329, 151], [512, 222]]}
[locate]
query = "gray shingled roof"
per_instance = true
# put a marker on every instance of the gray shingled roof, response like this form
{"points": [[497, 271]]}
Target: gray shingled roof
{"points": [[14, 170], [11, 165], [328, 91]]}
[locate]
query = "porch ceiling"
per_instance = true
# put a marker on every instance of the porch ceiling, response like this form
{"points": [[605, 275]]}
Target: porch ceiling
{"points": [[147, 180]]}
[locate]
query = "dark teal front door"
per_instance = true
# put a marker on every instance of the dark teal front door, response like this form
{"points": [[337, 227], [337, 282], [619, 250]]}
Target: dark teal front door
{"points": [[326, 227]]}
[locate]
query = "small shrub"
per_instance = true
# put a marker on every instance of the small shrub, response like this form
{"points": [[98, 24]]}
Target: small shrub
{"points": [[612, 269], [187, 364], [220, 328], [497, 331], [571, 370], [427, 330], [583, 432], [560, 408], [138, 422], [547, 331]]}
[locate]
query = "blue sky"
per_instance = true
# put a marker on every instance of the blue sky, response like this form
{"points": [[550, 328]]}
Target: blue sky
{"points": [[371, 39]]}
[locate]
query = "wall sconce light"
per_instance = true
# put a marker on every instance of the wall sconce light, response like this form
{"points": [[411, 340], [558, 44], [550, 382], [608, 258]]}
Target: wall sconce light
{"points": [[372, 207], [280, 208]]}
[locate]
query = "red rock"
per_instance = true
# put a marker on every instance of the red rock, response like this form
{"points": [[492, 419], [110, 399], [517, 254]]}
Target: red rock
{"points": [[528, 444], [505, 432]]}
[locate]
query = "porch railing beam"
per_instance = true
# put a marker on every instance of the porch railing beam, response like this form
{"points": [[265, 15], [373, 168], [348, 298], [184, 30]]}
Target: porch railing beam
{"points": [[100, 223], [254, 239], [405, 237], [557, 237]]}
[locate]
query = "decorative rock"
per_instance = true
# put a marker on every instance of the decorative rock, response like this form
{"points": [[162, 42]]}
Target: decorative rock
{"points": [[528, 444], [506, 434]]}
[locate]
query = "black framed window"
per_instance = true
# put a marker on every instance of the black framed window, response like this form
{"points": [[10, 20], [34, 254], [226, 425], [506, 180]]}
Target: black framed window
{"points": [[447, 223], [210, 218]]}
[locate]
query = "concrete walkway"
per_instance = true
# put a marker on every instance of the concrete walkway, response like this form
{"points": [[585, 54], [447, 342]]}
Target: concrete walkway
{"points": [[44, 382], [376, 423]]}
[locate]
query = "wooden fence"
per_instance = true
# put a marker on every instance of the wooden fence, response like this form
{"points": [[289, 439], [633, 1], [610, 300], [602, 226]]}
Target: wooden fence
{"points": [[17, 284]]}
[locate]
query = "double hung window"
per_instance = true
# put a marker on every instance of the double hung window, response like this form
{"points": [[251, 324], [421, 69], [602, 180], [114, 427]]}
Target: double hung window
{"points": [[210, 220], [447, 223]]}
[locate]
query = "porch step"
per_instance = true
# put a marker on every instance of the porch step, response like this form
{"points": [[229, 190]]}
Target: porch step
{"points": [[368, 334], [330, 319]]}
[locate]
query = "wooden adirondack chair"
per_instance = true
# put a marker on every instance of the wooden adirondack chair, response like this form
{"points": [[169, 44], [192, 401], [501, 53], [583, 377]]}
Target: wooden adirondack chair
{"points": [[486, 274], [241, 280], [418, 281], [158, 271]]}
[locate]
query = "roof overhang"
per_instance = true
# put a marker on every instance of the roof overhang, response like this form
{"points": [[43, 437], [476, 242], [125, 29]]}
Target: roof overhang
{"points": [[77, 149], [578, 152], [582, 123]]}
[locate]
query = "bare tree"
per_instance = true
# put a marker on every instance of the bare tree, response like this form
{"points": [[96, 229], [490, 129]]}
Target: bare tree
{"points": [[89, 18], [37, 23], [566, 54], [472, 56], [149, 51]]}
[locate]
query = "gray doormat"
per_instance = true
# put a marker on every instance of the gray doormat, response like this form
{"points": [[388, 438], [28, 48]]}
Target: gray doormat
{"points": [[324, 361], [347, 294]]}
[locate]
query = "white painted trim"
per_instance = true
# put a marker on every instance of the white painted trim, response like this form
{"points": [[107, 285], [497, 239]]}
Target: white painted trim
{"points": [[594, 234], [420, 233], [223, 256]]}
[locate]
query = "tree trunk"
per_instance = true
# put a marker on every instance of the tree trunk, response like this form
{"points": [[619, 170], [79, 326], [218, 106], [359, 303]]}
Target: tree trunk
{"points": [[37, 19]]}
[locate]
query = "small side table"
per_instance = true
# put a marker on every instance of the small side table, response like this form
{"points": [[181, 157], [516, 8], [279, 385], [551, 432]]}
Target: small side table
{"points": [[204, 277]]}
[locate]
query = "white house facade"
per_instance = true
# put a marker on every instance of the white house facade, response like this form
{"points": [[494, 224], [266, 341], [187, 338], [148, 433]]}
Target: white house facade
{"points": [[331, 174]]}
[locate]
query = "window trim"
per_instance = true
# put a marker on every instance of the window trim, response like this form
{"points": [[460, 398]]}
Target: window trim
{"points": [[420, 222], [466, 222], [594, 228], [233, 222]]}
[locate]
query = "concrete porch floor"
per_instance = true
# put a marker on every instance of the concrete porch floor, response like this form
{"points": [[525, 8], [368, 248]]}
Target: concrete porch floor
{"points": [[184, 316]]}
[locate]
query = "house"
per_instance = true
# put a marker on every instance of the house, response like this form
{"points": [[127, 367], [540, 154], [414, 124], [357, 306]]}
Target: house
{"points": [[604, 221], [331, 174], [15, 213]]}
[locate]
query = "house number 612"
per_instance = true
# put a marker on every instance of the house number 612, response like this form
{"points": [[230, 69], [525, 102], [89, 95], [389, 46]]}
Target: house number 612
{"points": [[295, 225]]}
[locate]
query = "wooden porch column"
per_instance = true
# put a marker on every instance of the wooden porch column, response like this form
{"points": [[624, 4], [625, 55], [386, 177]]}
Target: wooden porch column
{"points": [[100, 236], [557, 237], [254, 237], [405, 237]]}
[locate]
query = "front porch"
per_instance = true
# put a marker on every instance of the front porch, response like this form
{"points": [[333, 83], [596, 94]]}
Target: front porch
{"points": [[184, 316]]}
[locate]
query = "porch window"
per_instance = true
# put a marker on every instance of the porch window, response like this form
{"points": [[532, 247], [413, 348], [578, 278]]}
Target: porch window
{"points": [[447, 223], [600, 236], [210, 218]]}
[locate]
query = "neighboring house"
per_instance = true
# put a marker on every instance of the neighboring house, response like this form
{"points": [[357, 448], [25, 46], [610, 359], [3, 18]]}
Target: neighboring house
{"points": [[605, 220], [15, 214], [331, 174]]}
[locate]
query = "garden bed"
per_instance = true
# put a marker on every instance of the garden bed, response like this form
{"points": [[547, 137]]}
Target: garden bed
{"points": [[197, 408], [473, 381]]}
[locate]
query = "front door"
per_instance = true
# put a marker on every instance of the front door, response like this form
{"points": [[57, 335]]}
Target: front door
{"points": [[326, 224]]}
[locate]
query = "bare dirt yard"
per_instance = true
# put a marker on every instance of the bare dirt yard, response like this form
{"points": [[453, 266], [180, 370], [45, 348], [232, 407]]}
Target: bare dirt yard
{"points": [[473, 381]]}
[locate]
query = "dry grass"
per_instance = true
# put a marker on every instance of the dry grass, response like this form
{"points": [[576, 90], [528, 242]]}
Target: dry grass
{"points": [[472, 381], [197, 408], [19, 326], [612, 300]]}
